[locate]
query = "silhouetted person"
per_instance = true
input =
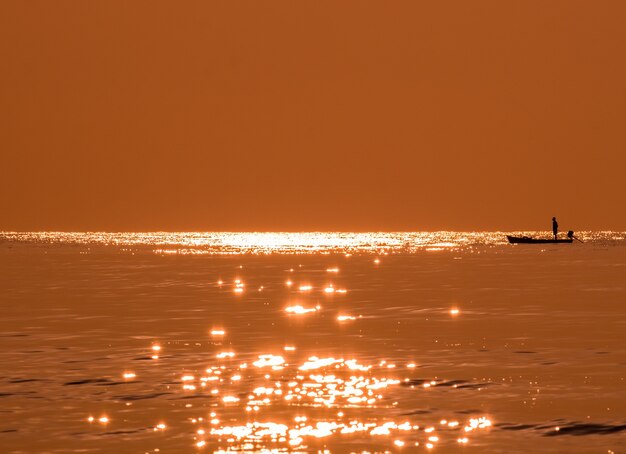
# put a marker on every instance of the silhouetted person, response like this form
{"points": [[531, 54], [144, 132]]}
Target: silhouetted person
{"points": [[555, 227], [571, 235]]}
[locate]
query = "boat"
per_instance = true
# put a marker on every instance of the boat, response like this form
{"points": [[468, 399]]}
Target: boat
{"points": [[529, 240]]}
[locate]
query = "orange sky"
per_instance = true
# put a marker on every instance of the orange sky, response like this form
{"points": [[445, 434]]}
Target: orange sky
{"points": [[267, 115]]}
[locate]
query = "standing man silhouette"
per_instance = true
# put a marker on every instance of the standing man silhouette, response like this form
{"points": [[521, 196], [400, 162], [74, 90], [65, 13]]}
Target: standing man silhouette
{"points": [[555, 227]]}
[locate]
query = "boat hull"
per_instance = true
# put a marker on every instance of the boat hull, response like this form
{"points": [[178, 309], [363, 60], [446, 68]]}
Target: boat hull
{"points": [[528, 240]]}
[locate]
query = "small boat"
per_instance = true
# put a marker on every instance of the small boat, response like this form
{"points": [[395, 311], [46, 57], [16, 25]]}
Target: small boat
{"points": [[529, 240]]}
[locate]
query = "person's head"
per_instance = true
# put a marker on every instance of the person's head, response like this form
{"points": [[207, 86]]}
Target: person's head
{"points": [[554, 219]]}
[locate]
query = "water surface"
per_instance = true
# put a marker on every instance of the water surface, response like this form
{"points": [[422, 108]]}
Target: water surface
{"points": [[378, 342]]}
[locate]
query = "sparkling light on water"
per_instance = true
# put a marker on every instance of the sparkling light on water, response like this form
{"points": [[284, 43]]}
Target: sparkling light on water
{"points": [[300, 310], [319, 383], [293, 243]]}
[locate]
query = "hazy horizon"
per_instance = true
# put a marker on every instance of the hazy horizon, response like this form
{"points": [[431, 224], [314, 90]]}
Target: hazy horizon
{"points": [[303, 231]]}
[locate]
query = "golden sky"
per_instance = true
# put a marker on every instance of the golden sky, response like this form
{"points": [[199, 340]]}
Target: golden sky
{"points": [[297, 115]]}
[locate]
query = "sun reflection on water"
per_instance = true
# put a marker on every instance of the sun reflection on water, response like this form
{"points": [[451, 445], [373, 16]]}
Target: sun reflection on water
{"points": [[272, 404], [297, 309], [347, 243], [323, 389]]}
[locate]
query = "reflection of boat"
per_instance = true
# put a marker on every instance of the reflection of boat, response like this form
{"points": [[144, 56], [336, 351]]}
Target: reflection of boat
{"points": [[529, 240]]}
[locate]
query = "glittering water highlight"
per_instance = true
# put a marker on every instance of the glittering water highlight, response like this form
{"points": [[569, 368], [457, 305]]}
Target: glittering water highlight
{"points": [[286, 243]]}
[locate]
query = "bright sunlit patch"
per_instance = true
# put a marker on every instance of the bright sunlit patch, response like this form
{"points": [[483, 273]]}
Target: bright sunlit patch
{"points": [[225, 355], [129, 375], [230, 399], [289, 348], [454, 311], [300, 310], [217, 332], [398, 443], [156, 348], [316, 363], [261, 243], [306, 288], [91, 419], [332, 270], [477, 423], [329, 289], [269, 361], [103, 419], [343, 318]]}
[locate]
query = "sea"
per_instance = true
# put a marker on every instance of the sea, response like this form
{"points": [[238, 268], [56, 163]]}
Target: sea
{"points": [[376, 342]]}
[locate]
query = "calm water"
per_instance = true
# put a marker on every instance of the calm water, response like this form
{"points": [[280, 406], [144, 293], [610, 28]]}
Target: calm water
{"points": [[448, 342]]}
